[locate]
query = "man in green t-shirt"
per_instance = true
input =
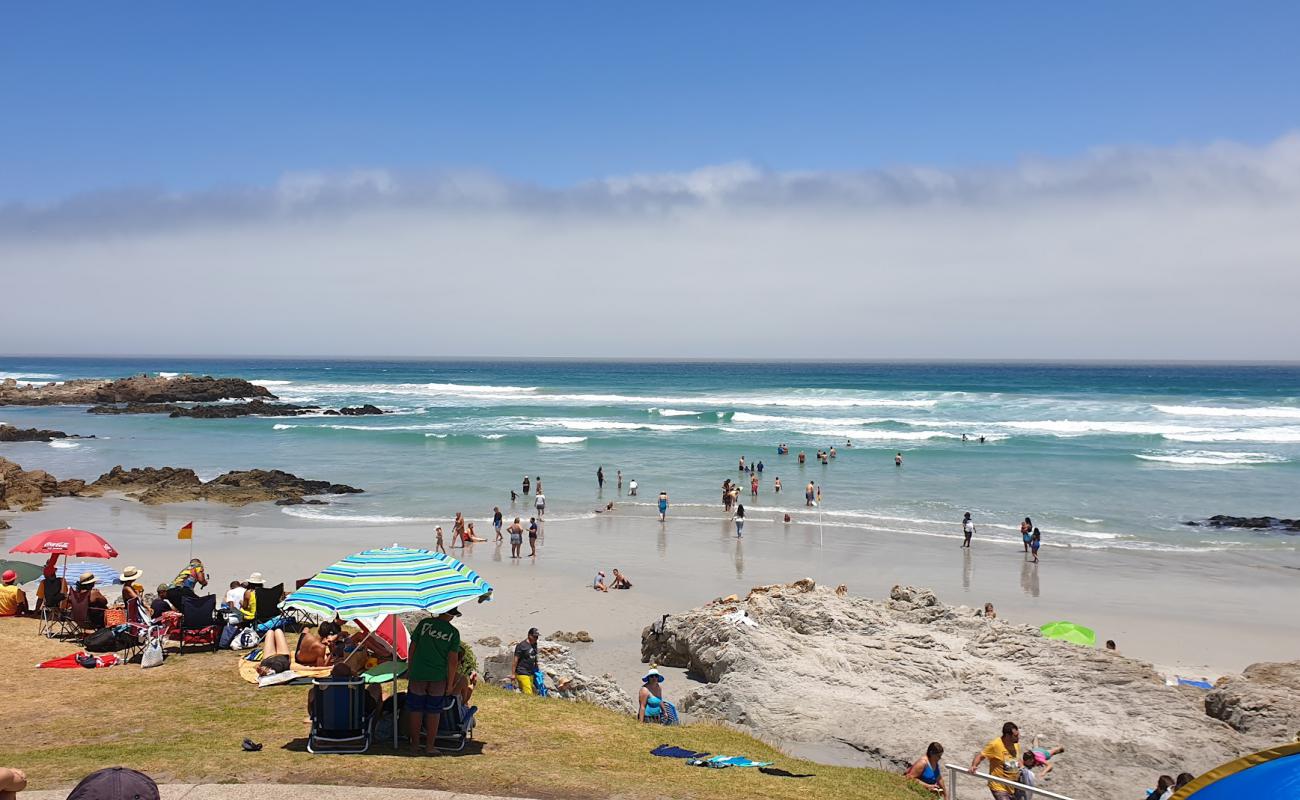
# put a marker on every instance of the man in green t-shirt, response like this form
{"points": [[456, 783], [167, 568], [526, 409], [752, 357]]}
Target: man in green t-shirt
{"points": [[434, 659]]}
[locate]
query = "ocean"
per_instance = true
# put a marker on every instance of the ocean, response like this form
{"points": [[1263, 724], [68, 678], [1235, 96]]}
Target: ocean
{"points": [[1098, 455]]}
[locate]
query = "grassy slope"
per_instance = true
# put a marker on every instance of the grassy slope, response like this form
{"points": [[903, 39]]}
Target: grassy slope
{"points": [[184, 722]]}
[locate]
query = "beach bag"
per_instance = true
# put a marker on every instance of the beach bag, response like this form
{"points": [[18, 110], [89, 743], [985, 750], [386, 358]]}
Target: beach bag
{"points": [[111, 640], [152, 655], [228, 635], [246, 639]]}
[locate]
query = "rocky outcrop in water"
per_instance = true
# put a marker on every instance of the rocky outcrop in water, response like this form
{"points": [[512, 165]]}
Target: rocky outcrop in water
{"points": [[1249, 523], [358, 411], [136, 389], [1263, 702], [136, 408], [563, 678], [801, 662], [253, 408], [8, 433], [26, 490], [172, 485]]}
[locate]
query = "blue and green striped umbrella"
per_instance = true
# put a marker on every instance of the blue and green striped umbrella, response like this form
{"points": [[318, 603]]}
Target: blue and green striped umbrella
{"points": [[392, 580]]}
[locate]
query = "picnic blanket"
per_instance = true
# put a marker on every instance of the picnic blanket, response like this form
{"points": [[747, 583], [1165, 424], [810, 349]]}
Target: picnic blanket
{"points": [[248, 671]]}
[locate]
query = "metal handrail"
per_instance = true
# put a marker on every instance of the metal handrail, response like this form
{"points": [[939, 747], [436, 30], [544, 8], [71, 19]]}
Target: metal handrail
{"points": [[1030, 791]]}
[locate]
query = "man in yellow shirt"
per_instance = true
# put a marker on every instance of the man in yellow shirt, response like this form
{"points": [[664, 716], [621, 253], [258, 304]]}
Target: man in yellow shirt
{"points": [[1003, 755], [13, 600]]}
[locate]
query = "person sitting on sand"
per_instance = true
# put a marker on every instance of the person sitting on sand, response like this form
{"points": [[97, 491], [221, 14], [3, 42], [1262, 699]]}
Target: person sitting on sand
{"points": [[620, 580], [276, 654], [12, 781], [650, 700], [13, 600], [989, 613], [608, 507], [926, 770], [598, 582], [470, 535]]}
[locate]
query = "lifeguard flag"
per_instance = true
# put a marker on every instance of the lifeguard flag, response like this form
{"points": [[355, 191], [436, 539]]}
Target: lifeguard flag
{"points": [[186, 532]]}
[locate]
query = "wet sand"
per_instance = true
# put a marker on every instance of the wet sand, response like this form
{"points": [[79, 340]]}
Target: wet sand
{"points": [[1199, 615]]}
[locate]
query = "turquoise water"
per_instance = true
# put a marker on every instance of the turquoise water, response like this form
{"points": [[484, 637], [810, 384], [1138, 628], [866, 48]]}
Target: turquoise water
{"points": [[1098, 455]]}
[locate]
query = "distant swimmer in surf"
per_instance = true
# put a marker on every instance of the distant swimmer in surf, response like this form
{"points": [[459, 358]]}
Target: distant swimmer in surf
{"points": [[801, 457], [898, 459]]}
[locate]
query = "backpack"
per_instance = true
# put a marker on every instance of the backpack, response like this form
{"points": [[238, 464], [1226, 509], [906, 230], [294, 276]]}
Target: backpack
{"points": [[111, 639]]}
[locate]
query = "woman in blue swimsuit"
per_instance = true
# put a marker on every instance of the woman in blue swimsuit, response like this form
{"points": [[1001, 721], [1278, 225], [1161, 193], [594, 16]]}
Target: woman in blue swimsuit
{"points": [[926, 770]]}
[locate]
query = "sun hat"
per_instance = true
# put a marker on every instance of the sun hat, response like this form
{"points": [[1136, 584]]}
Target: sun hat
{"points": [[256, 578], [653, 673], [9, 577], [87, 579], [131, 574]]}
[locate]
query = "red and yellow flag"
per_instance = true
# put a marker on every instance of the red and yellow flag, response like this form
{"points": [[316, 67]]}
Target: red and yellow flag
{"points": [[186, 532]]}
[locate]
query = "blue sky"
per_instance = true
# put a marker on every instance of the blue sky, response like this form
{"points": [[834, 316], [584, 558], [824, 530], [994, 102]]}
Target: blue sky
{"points": [[187, 96]]}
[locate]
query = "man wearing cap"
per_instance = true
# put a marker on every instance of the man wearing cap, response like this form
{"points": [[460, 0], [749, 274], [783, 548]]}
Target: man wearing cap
{"points": [[13, 600], [433, 661], [524, 665]]}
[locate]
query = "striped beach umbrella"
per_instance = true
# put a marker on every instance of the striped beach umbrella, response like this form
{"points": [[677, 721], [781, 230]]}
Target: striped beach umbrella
{"points": [[391, 580]]}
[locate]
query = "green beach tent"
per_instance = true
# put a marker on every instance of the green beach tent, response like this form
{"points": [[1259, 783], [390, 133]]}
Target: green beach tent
{"points": [[1071, 632]]}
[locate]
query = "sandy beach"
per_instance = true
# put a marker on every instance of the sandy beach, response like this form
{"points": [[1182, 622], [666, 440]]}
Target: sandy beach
{"points": [[1193, 614]]}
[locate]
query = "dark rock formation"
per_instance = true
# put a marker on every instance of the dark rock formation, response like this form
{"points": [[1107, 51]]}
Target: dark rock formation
{"points": [[9, 433], [298, 501], [251, 408], [1263, 702], [1250, 523], [135, 408], [171, 485], [136, 389], [357, 411], [4, 526], [26, 490]]}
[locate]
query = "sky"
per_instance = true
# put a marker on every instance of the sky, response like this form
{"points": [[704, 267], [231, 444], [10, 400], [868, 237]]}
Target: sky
{"points": [[837, 180]]}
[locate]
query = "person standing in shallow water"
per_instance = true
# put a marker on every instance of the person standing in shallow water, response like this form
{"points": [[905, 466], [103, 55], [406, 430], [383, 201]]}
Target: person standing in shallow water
{"points": [[1026, 532], [898, 459], [663, 506], [496, 520], [967, 529], [516, 532], [740, 520], [620, 481], [600, 477], [527, 484]]}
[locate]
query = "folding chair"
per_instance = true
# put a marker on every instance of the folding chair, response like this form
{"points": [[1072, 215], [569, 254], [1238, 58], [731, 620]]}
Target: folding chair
{"points": [[455, 725], [340, 721], [198, 622]]}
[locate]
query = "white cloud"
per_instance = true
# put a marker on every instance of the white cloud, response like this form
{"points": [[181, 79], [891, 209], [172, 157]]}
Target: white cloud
{"points": [[1179, 253]]}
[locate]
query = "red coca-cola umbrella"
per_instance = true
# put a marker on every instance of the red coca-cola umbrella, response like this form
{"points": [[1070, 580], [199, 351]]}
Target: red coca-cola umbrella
{"points": [[67, 542]]}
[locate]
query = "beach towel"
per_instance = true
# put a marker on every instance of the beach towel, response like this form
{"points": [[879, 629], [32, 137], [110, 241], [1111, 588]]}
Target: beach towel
{"points": [[723, 762], [80, 660], [248, 671], [670, 751], [781, 773]]}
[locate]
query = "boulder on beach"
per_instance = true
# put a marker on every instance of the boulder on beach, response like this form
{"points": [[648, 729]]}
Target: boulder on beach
{"points": [[571, 637], [1262, 702], [155, 486], [26, 490], [804, 663], [563, 678], [136, 389]]}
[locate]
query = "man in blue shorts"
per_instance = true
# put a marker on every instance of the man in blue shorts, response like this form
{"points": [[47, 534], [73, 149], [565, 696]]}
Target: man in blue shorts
{"points": [[434, 659]]}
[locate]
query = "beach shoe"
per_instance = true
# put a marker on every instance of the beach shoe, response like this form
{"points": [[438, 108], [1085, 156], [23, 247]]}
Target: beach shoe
{"points": [[250, 746]]}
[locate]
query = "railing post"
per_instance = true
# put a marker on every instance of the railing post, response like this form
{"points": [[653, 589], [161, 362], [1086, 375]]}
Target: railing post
{"points": [[952, 782]]}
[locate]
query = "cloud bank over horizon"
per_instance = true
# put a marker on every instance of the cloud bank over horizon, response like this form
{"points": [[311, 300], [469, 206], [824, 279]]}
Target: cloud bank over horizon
{"points": [[1189, 252]]}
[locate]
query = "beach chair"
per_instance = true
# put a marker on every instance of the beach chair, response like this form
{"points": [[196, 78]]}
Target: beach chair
{"points": [[145, 630], [339, 719], [198, 625], [268, 604], [455, 725]]}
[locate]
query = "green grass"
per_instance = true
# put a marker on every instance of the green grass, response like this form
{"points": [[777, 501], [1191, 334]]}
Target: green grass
{"points": [[184, 721]]}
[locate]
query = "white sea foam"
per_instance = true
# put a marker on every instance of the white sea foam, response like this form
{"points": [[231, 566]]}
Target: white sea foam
{"points": [[1210, 458], [492, 436], [64, 444], [28, 377], [1265, 412], [610, 425], [283, 426], [435, 436], [1283, 435], [879, 434], [561, 439], [356, 519], [1071, 427], [747, 417], [673, 412], [260, 382], [431, 390], [168, 374], [1088, 520]]}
